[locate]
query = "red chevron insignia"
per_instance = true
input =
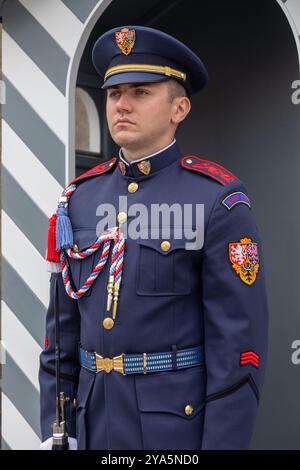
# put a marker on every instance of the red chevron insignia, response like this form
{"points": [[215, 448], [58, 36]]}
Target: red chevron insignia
{"points": [[97, 170], [212, 169], [249, 357]]}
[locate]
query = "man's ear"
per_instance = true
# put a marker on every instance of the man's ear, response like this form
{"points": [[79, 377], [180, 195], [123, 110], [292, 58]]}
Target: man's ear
{"points": [[182, 106]]}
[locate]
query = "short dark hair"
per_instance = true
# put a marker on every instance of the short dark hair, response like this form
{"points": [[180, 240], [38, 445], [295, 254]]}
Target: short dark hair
{"points": [[176, 89]]}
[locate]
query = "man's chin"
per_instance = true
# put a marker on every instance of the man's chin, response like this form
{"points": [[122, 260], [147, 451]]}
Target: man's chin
{"points": [[124, 139]]}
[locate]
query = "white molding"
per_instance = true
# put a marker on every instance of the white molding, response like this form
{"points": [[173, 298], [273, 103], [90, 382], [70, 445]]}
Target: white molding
{"points": [[71, 84], [292, 14], [93, 120], [293, 7]]}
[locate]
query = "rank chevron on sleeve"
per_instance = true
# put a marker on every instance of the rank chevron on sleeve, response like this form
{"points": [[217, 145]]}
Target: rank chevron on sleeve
{"points": [[249, 357]]}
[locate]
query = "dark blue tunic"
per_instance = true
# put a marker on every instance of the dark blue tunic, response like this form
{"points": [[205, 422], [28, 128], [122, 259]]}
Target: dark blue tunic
{"points": [[182, 297]]}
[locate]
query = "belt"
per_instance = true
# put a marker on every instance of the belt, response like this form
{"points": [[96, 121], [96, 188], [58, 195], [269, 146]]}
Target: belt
{"points": [[142, 363]]}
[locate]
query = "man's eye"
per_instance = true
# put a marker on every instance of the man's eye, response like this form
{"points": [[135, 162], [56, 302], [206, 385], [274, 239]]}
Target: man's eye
{"points": [[140, 91], [113, 94]]}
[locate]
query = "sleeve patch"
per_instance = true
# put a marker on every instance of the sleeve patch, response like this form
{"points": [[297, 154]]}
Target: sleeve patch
{"points": [[244, 259], [249, 357], [236, 198], [46, 342]]}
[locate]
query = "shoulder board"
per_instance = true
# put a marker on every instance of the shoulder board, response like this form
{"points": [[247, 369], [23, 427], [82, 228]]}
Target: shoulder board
{"points": [[212, 169], [97, 170]]}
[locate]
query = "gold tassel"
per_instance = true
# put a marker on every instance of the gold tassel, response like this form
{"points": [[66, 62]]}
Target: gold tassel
{"points": [[116, 295], [110, 288]]}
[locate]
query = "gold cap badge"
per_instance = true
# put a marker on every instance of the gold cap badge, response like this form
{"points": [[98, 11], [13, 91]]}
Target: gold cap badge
{"points": [[125, 40]]}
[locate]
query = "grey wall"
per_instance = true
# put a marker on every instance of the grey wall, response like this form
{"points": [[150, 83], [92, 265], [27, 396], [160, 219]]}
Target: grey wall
{"points": [[246, 121]]}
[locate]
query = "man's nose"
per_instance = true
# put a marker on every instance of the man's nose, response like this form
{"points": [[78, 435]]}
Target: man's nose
{"points": [[123, 103]]}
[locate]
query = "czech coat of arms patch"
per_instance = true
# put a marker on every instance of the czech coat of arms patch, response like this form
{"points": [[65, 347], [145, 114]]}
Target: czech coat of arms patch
{"points": [[245, 260]]}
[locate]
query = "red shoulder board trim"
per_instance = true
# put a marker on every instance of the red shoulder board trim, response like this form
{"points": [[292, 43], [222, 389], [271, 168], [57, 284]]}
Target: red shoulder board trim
{"points": [[212, 169], [97, 170]]}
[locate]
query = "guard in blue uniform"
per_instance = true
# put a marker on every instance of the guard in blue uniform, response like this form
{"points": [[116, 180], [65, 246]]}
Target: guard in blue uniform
{"points": [[163, 341]]}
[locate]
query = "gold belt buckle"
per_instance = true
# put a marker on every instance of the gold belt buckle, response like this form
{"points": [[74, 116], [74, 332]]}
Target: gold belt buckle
{"points": [[107, 364]]}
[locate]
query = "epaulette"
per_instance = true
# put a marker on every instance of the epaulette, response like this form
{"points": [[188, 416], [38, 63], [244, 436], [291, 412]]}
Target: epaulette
{"points": [[96, 170], [211, 169]]}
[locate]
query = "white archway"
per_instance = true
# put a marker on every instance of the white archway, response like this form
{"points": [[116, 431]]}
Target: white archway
{"points": [[291, 9], [93, 121], [71, 84]]}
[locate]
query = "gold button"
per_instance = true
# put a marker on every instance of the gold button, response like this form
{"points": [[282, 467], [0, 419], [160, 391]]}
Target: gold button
{"points": [[122, 217], [189, 160], [133, 187], [165, 245], [75, 248], [188, 410], [108, 323]]}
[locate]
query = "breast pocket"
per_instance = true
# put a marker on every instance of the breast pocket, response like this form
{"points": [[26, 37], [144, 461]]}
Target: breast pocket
{"points": [[164, 266], [81, 269]]}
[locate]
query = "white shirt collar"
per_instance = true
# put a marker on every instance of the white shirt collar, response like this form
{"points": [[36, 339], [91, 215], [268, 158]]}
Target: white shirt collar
{"points": [[148, 156]]}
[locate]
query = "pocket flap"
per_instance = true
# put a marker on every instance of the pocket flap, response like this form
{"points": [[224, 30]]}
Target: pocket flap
{"points": [[157, 244], [172, 392], [176, 238], [84, 238]]}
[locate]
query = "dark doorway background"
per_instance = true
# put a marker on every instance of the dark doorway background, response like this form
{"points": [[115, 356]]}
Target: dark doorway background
{"points": [[244, 120]]}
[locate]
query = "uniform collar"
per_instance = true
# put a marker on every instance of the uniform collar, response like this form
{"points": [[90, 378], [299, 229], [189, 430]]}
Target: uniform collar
{"points": [[146, 166]]}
